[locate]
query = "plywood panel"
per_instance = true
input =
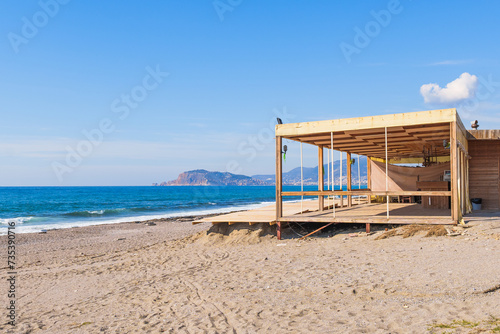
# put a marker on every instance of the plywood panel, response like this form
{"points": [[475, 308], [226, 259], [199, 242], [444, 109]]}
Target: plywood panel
{"points": [[484, 172]]}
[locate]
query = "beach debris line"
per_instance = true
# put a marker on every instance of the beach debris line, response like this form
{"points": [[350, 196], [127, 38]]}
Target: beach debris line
{"points": [[493, 289], [407, 231], [491, 325]]}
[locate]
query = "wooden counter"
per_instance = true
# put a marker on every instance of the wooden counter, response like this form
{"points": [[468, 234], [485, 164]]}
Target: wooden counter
{"points": [[434, 202]]}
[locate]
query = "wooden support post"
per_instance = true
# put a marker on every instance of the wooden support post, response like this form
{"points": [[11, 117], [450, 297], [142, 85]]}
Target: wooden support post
{"points": [[453, 168], [369, 176], [341, 177], [349, 183], [368, 228], [462, 183], [279, 186], [321, 178], [467, 185]]}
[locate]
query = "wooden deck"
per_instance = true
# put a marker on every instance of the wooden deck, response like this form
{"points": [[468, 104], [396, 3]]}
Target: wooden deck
{"points": [[400, 213], [265, 214]]}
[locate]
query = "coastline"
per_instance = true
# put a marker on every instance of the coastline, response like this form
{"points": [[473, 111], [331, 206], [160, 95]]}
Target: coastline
{"points": [[23, 228], [34, 229]]}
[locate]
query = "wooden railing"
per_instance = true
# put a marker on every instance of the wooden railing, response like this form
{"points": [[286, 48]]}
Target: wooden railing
{"points": [[365, 192]]}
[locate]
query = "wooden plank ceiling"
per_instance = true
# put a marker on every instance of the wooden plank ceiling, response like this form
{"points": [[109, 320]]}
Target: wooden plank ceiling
{"points": [[402, 141]]}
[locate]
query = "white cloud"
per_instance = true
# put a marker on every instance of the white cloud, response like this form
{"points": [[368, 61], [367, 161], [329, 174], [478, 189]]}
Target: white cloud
{"points": [[451, 62], [458, 90]]}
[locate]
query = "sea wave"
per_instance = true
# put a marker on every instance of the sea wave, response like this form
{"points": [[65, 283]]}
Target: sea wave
{"points": [[96, 213], [129, 218], [95, 217], [17, 220]]}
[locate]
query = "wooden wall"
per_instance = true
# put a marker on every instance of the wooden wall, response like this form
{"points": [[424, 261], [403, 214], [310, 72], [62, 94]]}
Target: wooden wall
{"points": [[484, 172]]}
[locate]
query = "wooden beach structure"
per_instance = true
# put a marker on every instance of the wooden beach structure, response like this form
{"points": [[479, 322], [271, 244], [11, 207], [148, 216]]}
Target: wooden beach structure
{"points": [[422, 168], [435, 138]]}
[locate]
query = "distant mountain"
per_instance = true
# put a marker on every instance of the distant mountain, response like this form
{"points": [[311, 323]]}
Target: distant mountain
{"points": [[311, 174], [201, 177]]}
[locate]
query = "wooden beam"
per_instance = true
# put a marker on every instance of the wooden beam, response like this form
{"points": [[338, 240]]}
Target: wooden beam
{"points": [[369, 176], [279, 186], [411, 160], [398, 134], [377, 145], [316, 231], [454, 176], [336, 136], [366, 192], [325, 140], [349, 179], [432, 129], [321, 178], [374, 130], [370, 122], [364, 140], [369, 220]]}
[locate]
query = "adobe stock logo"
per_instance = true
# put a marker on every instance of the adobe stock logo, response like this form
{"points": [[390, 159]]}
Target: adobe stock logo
{"points": [[372, 29], [254, 144], [121, 107], [31, 26], [484, 92], [223, 6]]}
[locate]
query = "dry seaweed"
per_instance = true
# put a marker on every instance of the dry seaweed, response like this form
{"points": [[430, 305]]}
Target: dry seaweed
{"points": [[412, 230], [388, 234], [437, 231]]}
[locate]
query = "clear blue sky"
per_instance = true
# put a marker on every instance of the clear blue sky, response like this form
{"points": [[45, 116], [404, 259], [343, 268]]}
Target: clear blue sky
{"points": [[73, 66]]}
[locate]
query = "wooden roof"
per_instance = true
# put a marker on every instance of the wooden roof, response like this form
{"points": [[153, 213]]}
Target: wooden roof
{"points": [[408, 134]]}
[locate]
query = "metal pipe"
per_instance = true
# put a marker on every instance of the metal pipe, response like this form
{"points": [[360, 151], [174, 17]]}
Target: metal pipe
{"points": [[386, 173], [301, 181], [333, 179]]}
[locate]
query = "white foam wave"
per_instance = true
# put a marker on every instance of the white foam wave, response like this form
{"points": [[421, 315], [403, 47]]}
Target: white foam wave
{"points": [[17, 220], [39, 227]]}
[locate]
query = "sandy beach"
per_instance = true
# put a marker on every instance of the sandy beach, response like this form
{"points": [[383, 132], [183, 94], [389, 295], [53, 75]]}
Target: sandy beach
{"points": [[175, 277]]}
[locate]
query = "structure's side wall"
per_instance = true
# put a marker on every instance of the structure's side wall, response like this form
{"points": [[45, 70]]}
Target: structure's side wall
{"points": [[405, 178], [484, 172]]}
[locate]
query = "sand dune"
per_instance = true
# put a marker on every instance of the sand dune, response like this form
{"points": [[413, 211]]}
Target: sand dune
{"points": [[179, 278]]}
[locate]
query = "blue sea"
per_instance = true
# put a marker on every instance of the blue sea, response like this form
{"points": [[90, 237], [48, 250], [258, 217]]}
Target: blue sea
{"points": [[43, 208]]}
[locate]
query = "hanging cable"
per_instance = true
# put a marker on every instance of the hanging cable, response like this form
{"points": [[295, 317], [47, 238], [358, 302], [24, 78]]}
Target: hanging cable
{"points": [[341, 181], [291, 224], [328, 169], [301, 181], [359, 178], [386, 173]]}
